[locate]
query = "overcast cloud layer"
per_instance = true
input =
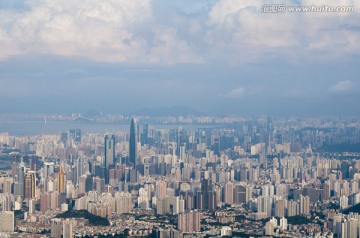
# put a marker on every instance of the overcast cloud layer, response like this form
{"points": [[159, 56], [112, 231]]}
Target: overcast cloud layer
{"points": [[223, 56]]}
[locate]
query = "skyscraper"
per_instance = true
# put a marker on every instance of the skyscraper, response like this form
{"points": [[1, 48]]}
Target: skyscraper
{"points": [[82, 166], [208, 200], [109, 154], [109, 150], [345, 170], [179, 140], [43, 202], [30, 185], [32, 163], [20, 181], [60, 180], [133, 157], [145, 135], [229, 193], [64, 138], [14, 167]]}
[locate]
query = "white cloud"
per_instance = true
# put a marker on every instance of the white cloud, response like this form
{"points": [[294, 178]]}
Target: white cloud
{"points": [[342, 86], [235, 93], [169, 49], [99, 30], [239, 28], [143, 31]]}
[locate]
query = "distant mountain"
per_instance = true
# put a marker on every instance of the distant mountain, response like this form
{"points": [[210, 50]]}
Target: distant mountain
{"points": [[168, 111]]}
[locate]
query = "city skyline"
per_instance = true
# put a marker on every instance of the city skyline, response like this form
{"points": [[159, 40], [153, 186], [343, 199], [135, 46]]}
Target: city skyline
{"points": [[180, 118], [266, 173]]}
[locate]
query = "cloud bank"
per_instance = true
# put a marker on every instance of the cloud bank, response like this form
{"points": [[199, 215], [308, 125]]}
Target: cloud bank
{"points": [[181, 31]]}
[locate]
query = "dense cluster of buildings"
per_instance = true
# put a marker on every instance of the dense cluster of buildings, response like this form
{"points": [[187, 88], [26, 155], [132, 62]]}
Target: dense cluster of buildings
{"points": [[253, 177]]}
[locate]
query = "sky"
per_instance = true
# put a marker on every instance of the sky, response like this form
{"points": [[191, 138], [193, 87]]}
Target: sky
{"points": [[219, 57]]}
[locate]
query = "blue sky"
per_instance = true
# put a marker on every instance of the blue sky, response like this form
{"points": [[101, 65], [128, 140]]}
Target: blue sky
{"points": [[218, 57]]}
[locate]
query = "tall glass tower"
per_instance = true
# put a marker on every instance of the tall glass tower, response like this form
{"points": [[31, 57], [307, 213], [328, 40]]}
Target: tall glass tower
{"points": [[133, 157], [109, 154], [20, 183]]}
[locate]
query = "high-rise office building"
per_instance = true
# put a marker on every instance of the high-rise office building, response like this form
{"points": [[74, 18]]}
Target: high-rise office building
{"points": [[208, 196], [30, 185], [20, 182], [345, 170], [14, 167], [82, 166], [133, 152], [64, 138], [145, 135], [109, 150], [109, 155], [178, 140], [60, 180], [86, 182], [43, 202], [228, 193]]}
